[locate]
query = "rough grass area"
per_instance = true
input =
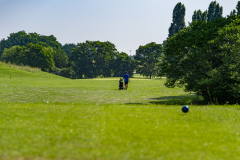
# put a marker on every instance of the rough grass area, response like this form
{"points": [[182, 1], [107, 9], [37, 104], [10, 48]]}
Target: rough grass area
{"points": [[24, 68], [43, 116]]}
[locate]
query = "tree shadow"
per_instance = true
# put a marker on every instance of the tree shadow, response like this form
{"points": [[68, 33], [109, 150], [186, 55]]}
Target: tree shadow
{"points": [[170, 100], [140, 78], [173, 100], [135, 103], [159, 78]]}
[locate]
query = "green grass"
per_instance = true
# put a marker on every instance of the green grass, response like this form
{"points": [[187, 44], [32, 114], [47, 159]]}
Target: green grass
{"points": [[44, 116]]}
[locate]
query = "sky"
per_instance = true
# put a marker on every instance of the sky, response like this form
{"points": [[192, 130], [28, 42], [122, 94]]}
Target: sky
{"points": [[125, 23]]}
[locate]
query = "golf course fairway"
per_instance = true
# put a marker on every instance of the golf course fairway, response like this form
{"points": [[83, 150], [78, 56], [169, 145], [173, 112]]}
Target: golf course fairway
{"points": [[44, 116]]}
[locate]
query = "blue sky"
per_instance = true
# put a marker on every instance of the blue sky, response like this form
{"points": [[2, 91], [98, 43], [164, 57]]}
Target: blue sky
{"points": [[126, 23]]}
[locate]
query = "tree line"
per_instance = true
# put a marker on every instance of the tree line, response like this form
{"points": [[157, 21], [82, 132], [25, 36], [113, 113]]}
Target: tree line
{"points": [[89, 59], [213, 12]]}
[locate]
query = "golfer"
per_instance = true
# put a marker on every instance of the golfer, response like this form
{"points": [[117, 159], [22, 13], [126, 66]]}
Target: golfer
{"points": [[126, 79]]}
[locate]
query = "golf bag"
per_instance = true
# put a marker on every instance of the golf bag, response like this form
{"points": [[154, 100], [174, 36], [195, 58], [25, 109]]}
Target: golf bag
{"points": [[121, 84]]}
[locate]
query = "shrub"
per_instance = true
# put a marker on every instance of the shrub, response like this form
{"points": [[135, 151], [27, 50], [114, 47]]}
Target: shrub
{"points": [[33, 55]]}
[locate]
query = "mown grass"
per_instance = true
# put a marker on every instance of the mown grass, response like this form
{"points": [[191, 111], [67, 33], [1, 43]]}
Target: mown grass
{"points": [[43, 116]]}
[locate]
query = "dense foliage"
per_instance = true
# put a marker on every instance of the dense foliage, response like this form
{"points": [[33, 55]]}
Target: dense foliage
{"points": [[72, 61], [60, 58], [21, 38], [214, 11], [238, 8], [236, 11], [68, 48], [94, 58], [123, 63], [148, 58], [233, 13], [34, 55], [198, 15], [178, 19], [205, 58]]}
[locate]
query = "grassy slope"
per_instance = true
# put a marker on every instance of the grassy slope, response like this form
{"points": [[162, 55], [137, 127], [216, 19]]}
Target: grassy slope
{"points": [[25, 87], [43, 116]]}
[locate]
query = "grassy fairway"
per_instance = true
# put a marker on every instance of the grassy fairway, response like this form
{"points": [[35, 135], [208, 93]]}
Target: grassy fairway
{"points": [[43, 116]]}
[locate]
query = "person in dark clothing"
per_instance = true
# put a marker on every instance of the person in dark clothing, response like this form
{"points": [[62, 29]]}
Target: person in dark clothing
{"points": [[126, 79]]}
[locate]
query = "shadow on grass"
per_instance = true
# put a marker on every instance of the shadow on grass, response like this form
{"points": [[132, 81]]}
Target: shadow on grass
{"points": [[135, 103], [158, 78], [173, 100], [170, 100], [140, 78]]}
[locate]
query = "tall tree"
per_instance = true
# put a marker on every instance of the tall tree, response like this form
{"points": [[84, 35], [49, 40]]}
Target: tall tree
{"points": [[147, 58], [233, 13], [197, 15], [211, 10], [238, 8], [218, 11], [204, 16], [178, 19], [214, 11], [194, 16]]}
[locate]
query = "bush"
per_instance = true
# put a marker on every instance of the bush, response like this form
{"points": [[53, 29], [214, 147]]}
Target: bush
{"points": [[33, 55], [68, 72]]}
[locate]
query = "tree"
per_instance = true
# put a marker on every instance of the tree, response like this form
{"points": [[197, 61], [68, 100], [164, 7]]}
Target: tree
{"points": [[9, 55], [197, 15], [233, 13], [122, 64], [238, 8], [60, 58], [204, 58], [83, 62], [236, 11], [68, 72], [214, 11], [104, 57], [68, 48], [148, 57], [33, 55], [178, 19], [21, 38], [94, 58], [218, 11], [204, 16]]}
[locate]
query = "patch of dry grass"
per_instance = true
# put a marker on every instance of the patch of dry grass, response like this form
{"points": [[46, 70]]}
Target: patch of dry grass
{"points": [[21, 67]]}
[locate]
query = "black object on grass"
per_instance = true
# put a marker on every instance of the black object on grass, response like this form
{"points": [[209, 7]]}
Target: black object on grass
{"points": [[185, 109]]}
